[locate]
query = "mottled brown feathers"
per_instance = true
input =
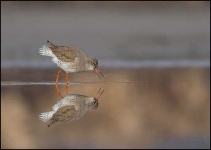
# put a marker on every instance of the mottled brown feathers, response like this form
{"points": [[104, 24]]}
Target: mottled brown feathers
{"points": [[66, 53], [62, 114]]}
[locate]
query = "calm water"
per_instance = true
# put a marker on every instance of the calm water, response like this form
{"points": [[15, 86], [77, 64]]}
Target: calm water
{"points": [[140, 108], [162, 101]]}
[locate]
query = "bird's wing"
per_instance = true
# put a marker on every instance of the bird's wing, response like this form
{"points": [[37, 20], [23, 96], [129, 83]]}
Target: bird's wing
{"points": [[64, 113], [67, 53]]}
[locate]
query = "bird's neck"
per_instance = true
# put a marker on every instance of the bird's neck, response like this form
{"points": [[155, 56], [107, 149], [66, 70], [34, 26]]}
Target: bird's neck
{"points": [[88, 61]]}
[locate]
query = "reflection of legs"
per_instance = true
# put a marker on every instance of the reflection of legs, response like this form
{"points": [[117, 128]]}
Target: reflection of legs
{"points": [[57, 88], [57, 78], [67, 81], [67, 87]]}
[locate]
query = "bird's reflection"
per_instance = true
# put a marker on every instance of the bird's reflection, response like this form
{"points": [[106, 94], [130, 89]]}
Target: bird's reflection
{"points": [[71, 107]]}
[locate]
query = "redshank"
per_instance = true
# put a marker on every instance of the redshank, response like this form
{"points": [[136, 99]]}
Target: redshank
{"points": [[69, 59], [70, 108]]}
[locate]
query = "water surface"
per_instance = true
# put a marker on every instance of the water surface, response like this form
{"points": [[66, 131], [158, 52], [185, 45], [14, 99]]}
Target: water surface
{"points": [[139, 108]]}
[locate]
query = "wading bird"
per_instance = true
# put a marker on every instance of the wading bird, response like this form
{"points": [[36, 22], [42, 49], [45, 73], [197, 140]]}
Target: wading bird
{"points": [[69, 59]]}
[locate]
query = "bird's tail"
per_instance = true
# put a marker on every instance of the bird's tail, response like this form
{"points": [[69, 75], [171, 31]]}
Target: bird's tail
{"points": [[45, 50], [46, 116]]}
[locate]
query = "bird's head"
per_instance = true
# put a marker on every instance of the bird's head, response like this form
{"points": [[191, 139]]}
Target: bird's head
{"points": [[92, 64], [93, 101]]}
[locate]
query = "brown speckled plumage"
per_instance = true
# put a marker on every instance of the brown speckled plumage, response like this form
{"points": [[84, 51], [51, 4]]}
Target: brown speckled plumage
{"points": [[70, 54], [66, 113]]}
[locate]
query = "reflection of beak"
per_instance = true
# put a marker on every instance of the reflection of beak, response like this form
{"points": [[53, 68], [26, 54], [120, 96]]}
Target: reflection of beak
{"points": [[98, 72], [98, 95]]}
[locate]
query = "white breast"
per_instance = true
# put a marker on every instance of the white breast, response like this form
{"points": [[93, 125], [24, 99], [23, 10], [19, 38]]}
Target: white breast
{"points": [[66, 66]]}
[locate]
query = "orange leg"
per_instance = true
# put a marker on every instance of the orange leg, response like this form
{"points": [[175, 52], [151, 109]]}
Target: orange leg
{"points": [[58, 91], [67, 86], [57, 78]]}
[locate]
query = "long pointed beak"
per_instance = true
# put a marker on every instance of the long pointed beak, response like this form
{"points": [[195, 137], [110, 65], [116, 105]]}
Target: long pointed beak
{"points": [[98, 95], [98, 72]]}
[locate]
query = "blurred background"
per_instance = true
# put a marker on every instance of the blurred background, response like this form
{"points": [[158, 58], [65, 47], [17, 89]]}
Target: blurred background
{"points": [[155, 57]]}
